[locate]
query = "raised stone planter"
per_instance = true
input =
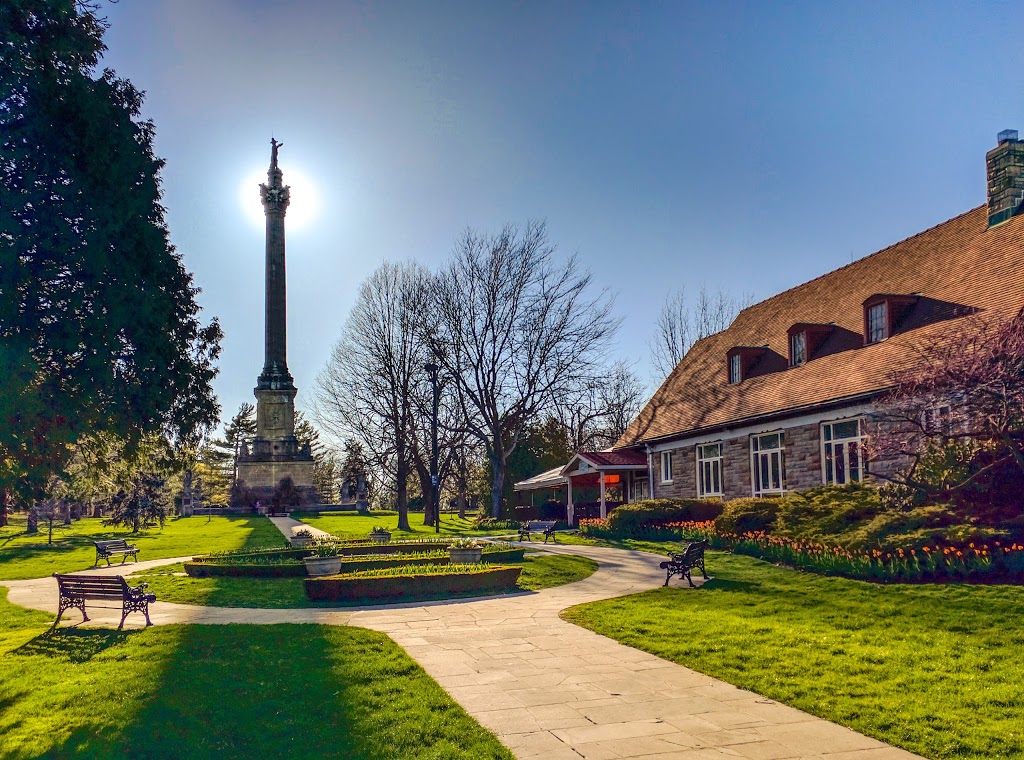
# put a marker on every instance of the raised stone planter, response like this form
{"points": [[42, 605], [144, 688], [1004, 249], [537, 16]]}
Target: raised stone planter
{"points": [[301, 542], [465, 555], [380, 536], [316, 566], [358, 589]]}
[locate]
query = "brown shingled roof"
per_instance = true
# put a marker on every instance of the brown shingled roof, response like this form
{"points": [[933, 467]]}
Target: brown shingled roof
{"points": [[958, 268], [614, 458]]}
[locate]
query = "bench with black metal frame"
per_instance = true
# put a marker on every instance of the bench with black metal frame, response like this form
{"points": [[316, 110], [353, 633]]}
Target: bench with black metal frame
{"points": [[76, 590], [692, 558], [114, 547], [547, 527]]}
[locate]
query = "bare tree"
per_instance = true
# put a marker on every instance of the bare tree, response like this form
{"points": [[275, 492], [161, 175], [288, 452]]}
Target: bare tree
{"points": [[596, 410], [513, 327], [366, 391], [955, 419], [622, 397], [680, 324]]}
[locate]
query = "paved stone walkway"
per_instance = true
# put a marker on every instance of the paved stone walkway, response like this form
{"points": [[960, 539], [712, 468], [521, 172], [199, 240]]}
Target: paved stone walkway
{"points": [[288, 526], [550, 689]]}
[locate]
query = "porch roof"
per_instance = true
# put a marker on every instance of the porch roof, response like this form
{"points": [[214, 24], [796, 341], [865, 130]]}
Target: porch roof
{"points": [[588, 461], [550, 479]]}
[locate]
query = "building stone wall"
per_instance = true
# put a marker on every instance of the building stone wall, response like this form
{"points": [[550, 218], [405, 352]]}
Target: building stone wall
{"points": [[803, 463], [803, 457], [736, 467], [684, 475]]}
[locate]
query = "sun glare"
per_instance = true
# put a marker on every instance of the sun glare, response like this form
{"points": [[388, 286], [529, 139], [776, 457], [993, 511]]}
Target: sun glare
{"points": [[304, 204]]}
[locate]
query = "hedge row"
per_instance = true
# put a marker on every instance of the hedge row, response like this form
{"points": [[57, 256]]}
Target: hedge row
{"points": [[340, 588], [220, 570]]}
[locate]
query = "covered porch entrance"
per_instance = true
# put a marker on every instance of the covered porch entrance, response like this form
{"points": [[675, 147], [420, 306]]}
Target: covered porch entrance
{"points": [[599, 481]]}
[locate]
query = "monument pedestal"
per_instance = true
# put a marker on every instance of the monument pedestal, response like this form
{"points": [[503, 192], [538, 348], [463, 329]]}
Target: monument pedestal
{"points": [[258, 479]]}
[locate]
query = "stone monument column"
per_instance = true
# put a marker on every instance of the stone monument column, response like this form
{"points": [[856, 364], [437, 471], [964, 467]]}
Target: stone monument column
{"points": [[275, 452], [275, 389]]}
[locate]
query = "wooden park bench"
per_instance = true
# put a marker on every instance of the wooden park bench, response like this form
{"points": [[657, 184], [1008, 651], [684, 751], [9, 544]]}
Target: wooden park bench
{"points": [[547, 527], [118, 546], [681, 564], [76, 590]]}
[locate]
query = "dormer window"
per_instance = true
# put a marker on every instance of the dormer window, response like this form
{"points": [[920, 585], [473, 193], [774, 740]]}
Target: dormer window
{"points": [[883, 313], [741, 360], [878, 322], [805, 339], [797, 349]]}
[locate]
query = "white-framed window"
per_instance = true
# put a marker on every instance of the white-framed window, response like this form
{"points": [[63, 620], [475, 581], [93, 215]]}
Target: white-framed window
{"points": [[735, 368], [878, 322], [641, 490], [797, 349], [842, 457], [938, 420], [768, 464], [666, 467], [709, 469]]}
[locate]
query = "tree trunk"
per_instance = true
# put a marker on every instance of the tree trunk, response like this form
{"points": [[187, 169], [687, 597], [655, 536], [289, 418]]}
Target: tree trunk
{"points": [[423, 473], [497, 484], [5, 499], [402, 488]]}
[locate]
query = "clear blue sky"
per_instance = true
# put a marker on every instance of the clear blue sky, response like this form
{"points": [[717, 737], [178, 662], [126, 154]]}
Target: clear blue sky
{"points": [[747, 146]]}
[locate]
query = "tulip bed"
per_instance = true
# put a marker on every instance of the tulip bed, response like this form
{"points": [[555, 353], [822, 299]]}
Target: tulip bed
{"points": [[978, 561]]}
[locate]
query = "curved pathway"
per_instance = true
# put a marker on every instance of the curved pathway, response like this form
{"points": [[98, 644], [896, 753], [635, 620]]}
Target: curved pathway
{"points": [[548, 688]]}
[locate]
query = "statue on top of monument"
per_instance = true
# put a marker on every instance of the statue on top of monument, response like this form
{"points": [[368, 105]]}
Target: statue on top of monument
{"points": [[274, 145]]}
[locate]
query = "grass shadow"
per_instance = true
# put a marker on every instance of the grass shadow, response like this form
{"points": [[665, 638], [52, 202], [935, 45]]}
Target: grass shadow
{"points": [[71, 644], [286, 691]]}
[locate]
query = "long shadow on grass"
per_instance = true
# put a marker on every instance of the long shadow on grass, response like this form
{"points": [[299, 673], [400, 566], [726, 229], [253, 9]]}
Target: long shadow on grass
{"points": [[72, 645], [286, 691]]}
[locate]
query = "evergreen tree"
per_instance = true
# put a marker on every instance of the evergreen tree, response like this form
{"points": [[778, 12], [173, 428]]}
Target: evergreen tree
{"points": [[324, 468], [238, 432], [99, 327]]}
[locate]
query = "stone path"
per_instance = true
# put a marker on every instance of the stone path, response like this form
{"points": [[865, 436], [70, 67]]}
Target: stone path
{"points": [[549, 689], [288, 526]]}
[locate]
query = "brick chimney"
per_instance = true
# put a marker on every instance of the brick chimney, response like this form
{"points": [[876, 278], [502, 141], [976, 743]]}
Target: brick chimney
{"points": [[1005, 165]]}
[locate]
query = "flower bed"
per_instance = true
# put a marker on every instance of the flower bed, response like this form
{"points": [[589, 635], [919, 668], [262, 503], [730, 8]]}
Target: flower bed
{"points": [[984, 562], [411, 582], [287, 563]]}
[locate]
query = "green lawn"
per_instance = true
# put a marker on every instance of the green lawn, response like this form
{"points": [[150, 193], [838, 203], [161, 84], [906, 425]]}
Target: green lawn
{"points": [[24, 556], [936, 669], [224, 691], [352, 525], [170, 586]]}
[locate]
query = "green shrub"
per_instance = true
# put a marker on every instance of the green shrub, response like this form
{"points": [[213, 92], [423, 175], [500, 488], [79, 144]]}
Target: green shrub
{"points": [[748, 515], [825, 514], [634, 520]]}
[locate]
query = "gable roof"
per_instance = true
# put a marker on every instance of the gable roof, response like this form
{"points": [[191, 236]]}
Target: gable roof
{"points": [[957, 268]]}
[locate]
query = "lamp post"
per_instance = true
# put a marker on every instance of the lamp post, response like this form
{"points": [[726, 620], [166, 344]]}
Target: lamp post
{"points": [[432, 370]]}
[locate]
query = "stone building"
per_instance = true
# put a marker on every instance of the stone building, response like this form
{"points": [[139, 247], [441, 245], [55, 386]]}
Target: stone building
{"points": [[781, 399]]}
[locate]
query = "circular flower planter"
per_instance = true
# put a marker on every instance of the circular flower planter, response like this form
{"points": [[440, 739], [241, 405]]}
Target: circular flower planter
{"points": [[300, 542], [380, 538], [465, 555], [316, 566]]}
